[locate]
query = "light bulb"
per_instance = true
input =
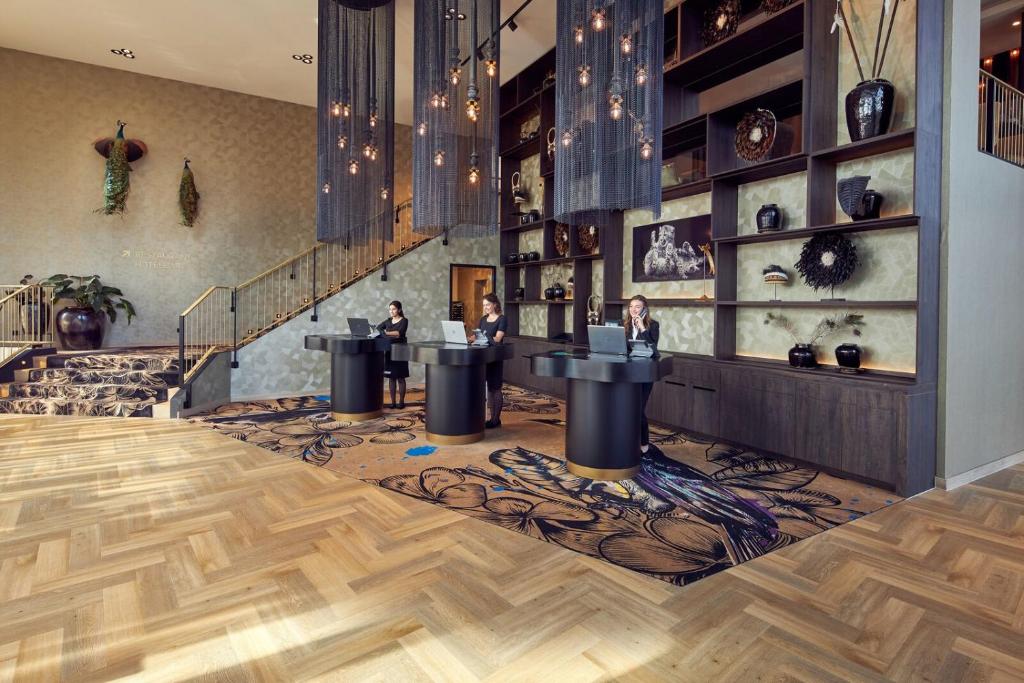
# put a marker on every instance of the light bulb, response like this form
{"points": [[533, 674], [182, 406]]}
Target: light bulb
{"points": [[566, 139], [598, 20], [439, 158], [326, 188], [491, 67], [646, 149], [373, 120], [641, 74], [626, 43], [346, 110], [584, 77], [335, 108], [472, 109], [422, 128], [353, 167], [370, 151], [616, 108], [578, 32], [342, 142], [454, 75], [435, 101], [474, 175], [384, 193]]}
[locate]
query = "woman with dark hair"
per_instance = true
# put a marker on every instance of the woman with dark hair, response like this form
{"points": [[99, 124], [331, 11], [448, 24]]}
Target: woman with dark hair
{"points": [[640, 326], [396, 326], [494, 324]]}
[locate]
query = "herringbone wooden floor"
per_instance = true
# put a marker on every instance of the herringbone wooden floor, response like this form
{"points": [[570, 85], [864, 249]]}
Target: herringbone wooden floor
{"points": [[157, 550]]}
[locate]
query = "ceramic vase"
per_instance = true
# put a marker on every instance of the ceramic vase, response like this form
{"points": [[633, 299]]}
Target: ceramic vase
{"points": [[869, 109], [802, 356]]}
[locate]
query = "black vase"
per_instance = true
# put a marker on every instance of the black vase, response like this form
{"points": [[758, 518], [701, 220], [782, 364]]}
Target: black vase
{"points": [[519, 293], [513, 258], [848, 358], [549, 293], [802, 356], [870, 206], [80, 329], [559, 291], [769, 218], [869, 109], [534, 256]]}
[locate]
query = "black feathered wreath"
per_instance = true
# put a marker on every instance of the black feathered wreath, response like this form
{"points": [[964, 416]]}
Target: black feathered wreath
{"points": [[827, 260]]}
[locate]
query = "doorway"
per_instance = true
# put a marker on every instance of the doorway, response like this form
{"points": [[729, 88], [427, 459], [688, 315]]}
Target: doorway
{"points": [[468, 284]]}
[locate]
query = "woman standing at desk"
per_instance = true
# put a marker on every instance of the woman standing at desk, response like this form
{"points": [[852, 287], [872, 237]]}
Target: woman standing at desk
{"points": [[640, 326], [494, 324], [396, 327]]}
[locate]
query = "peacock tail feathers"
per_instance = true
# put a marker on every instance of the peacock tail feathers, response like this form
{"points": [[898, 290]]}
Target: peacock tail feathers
{"points": [[188, 197], [116, 183]]}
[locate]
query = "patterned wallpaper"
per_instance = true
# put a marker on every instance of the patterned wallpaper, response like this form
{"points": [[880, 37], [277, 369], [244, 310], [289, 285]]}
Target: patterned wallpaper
{"points": [[900, 63], [888, 340], [788, 191], [255, 166], [278, 365], [533, 320], [678, 208], [892, 175], [532, 240], [533, 183]]}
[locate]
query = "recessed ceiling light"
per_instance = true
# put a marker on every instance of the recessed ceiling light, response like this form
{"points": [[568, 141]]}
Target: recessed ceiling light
{"points": [[1016, 23], [124, 52], [305, 59]]}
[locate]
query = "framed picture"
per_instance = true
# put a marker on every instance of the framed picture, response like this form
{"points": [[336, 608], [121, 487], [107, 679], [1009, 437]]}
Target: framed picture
{"points": [[671, 250]]}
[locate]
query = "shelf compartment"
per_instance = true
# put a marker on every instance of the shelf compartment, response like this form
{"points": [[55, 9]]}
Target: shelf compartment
{"points": [[759, 40], [522, 150], [669, 302], [826, 372], [539, 302], [819, 304], [533, 225], [685, 190], [890, 142], [886, 223], [785, 102], [764, 170]]}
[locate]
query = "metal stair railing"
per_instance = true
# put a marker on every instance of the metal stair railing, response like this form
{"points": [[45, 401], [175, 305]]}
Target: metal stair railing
{"points": [[25, 319], [1001, 119], [228, 318]]}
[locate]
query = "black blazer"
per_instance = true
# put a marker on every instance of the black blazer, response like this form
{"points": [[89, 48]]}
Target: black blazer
{"points": [[650, 335]]}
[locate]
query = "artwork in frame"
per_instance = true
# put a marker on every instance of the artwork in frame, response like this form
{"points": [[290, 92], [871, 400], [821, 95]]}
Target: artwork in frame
{"points": [[671, 250]]}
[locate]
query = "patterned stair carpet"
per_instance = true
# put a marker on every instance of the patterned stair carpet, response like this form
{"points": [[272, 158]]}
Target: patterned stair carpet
{"points": [[111, 383], [695, 508]]}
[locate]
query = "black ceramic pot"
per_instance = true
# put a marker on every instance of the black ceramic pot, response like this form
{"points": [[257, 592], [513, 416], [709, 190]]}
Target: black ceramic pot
{"points": [[519, 293], [549, 293], [80, 329], [513, 258], [870, 206], [534, 256], [802, 356], [769, 218], [848, 357], [559, 291], [869, 109]]}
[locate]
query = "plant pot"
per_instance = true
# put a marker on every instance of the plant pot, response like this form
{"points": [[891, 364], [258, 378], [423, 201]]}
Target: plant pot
{"points": [[769, 218], [534, 256], [870, 206], [513, 258], [802, 356], [80, 329], [35, 319], [549, 293], [559, 291], [848, 358], [519, 293], [869, 109]]}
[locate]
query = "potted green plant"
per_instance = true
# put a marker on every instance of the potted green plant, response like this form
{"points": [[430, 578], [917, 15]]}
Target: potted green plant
{"points": [[802, 354], [80, 327]]}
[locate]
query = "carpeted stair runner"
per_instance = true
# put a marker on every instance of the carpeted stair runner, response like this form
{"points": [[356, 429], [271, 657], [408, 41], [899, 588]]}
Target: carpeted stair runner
{"points": [[112, 384]]}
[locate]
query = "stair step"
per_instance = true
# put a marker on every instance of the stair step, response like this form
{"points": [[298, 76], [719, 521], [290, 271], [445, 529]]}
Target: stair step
{"points": [[51, 406], [90, 376], [150, 362], [85, 392]]}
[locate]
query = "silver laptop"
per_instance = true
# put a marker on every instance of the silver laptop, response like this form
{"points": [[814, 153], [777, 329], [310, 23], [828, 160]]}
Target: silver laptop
{"points": [[607, 341], [360, 327], [454, 332]]}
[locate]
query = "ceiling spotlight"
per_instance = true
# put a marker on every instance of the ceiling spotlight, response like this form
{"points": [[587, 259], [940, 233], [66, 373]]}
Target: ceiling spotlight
{"points": [[124, 52], [512, 25], [1016, 23], [305, 59]]}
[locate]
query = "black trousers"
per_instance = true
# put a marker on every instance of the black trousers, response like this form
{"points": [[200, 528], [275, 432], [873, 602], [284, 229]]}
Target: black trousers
{"points": [[645, 431]]}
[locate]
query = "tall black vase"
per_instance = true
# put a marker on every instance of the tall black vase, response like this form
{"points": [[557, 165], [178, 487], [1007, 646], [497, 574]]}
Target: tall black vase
{"points": [[80, 329], [869, 109]]}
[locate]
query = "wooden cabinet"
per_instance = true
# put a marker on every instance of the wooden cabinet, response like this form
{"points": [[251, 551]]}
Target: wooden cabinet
{"points": [[758, 410]]}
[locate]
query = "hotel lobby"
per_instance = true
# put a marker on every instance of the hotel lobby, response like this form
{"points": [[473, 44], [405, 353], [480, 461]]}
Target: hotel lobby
{"points": [[472, 340]]}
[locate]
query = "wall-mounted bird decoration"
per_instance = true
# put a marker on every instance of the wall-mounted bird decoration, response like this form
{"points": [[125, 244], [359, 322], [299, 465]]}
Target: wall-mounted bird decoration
{"points": [[188, 196], [116, 184]]}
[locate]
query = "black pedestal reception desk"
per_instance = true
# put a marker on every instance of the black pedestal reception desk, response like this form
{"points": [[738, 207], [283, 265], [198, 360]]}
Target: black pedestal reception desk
{"points": [[455, 386], [602, 411], [357, 373]]}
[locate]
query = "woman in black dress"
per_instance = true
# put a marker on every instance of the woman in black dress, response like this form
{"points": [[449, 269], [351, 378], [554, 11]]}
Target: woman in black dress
{"points": [[640, 325], [396, 371], [494, 324]]}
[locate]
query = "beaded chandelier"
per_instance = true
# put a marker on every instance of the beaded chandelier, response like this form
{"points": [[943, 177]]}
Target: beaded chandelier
{"points": [[455, 105], [608, 115], [355, 120]]}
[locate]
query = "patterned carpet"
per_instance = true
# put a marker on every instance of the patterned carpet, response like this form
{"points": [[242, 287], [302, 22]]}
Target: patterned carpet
{"points": [[695, 508], [111, 383]]}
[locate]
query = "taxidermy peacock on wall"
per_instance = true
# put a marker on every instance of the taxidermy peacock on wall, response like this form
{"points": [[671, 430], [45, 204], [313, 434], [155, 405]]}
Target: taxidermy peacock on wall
{"points": [[116, 184], [188, 197]]}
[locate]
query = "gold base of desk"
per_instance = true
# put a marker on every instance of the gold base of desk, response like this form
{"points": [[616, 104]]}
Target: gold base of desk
{"points": [[450, 440], [357, 417], [602, 474]]}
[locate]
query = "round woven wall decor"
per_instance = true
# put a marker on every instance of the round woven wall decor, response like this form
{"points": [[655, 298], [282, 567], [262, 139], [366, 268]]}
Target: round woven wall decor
{"points": [[827, 260], [720, 21], [755, 135], [562, 239], [586, 237]]}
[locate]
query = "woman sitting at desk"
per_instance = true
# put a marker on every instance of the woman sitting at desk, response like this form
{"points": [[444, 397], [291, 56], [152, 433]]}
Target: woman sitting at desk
{"points": [[494, 325], [396, 327], [640, 326]]}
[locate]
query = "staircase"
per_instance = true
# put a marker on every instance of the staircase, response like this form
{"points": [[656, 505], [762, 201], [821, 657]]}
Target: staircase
{"points": [[110, 383]]}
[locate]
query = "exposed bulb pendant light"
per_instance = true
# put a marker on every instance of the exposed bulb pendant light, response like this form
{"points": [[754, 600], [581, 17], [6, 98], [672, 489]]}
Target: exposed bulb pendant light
{"points": [[609, 64], [355, 132], [455, 162]]}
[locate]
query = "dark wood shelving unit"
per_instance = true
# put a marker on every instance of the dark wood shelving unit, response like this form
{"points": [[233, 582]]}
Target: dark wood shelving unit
{"points": [[523, 227], [884, 223], [670, 302], [822, 372], [823, 303], [890, 142]]}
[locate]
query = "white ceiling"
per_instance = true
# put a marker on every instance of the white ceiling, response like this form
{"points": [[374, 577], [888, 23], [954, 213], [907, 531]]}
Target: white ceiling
{"points": [[240, 45], [997, 31]]}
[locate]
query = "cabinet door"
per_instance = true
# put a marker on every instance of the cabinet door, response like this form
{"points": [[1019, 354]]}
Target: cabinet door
{"points": [[704, 412], [869, 442], [670, 403], [758, 418], [819, 431]]}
